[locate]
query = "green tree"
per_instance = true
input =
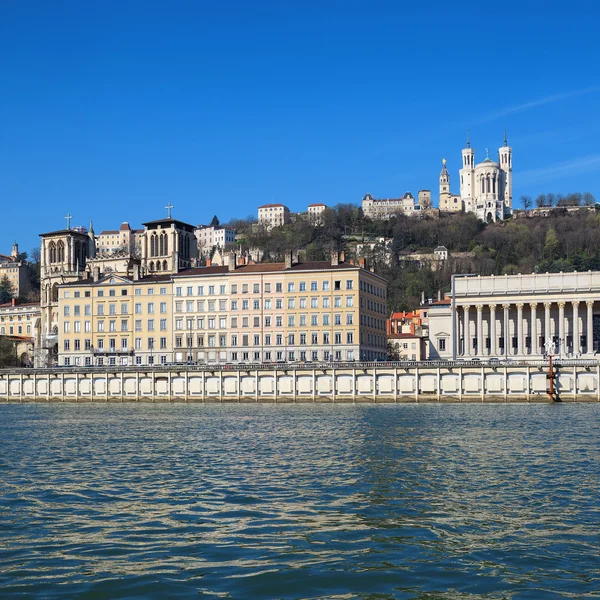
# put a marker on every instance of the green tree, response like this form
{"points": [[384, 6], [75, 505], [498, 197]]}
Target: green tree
{"points": [[215, 221], [551, 245], [6, 290]]}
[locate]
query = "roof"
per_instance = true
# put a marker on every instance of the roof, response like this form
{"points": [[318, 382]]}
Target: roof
{"points": [[272, 205], [24, 304], [148, 279], [442, 302], [125, 226], [170, 221], [442, 248], [317, 204], [322, 265], [403, 336], [64, 231], [403, 315], [109, 232]]}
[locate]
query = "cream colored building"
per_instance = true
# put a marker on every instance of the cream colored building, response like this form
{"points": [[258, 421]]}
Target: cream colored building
{"points": [[523, 316], [22, 323], [209, 237], [386, 208], [315, 213], [117, 240], [270, 312], [273, 215], [116, 320], [17, 272], [448, 202], [408, 346]]}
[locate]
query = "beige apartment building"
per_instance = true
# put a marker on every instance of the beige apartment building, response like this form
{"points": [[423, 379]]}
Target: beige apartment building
{"points": [[270, 312], [273, 215], [116, 320]]}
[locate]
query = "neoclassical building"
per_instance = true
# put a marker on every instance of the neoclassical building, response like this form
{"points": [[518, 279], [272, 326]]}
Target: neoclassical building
{"points": [[523, 316]]}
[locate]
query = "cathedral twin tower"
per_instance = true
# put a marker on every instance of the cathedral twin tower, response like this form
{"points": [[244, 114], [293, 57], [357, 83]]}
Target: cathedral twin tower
{"points": [[485, 188]]}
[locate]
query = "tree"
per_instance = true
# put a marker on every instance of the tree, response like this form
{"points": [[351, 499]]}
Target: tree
{"points": [[550, 199], [6, 290], [588, 199], [215, 221], [552, 244], [392, 352], [540, 201], [526, 200], [8, 355]]}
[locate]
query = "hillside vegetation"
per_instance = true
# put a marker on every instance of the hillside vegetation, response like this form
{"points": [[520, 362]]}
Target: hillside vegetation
{"points": [[561, 242]]}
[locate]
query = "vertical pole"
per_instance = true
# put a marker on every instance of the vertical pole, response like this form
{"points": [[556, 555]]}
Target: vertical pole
{"points": [[417, 384]]}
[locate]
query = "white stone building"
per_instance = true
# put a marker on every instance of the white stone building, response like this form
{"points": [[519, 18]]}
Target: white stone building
{"points": [[385, 208], [273, 215], [523, 316], [315, 213], [486, 188], [213, 237]]}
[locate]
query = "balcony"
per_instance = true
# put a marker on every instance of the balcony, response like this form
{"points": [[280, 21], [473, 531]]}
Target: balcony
{"points": [[112, 351]]}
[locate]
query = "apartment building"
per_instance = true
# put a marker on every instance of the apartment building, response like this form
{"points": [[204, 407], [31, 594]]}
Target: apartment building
{"points": [[270, 312], [17, 272], [209, 237], [116, 321]]}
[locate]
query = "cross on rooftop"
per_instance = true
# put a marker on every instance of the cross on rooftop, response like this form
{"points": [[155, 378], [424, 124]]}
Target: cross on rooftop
{"points": [[68, 218], [169, 207]]}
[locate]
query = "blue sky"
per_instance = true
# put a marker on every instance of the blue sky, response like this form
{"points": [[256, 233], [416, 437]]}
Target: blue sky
{"points": [[109, 110]]}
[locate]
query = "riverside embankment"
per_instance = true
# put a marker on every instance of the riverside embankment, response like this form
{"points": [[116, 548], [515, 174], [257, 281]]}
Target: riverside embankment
{"points": [[573, 380]]}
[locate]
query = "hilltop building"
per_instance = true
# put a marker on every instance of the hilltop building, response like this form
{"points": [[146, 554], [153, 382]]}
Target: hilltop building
{"points": [[273, 215], [16, 270]]}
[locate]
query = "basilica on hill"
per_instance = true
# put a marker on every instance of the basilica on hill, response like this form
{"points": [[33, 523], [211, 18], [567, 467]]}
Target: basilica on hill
{"points": [[485, 188]]}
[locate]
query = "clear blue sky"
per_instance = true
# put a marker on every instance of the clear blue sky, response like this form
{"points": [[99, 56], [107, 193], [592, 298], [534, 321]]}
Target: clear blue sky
{"points": [[110, 109]]}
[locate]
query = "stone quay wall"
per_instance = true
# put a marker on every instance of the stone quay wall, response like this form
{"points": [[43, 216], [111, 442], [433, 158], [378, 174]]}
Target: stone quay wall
{"points": [[574, 380]]}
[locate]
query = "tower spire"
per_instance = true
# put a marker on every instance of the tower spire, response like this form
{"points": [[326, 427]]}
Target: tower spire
{"points": [[505, 142], [468, 139]]}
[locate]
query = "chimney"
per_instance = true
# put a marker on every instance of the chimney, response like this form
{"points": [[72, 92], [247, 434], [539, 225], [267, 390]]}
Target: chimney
{"points": [[96, 273], [372, 269], [362, 263], [335, 258], [342, 257], [439, 295], [13, 302], [351, 261], [208, 262], [288, 259], [136, 272], [231, 263]]}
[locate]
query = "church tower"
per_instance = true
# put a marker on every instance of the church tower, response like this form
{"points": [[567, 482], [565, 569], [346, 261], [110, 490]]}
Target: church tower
{"points": [[505, 163], [467, 175], [444, 180], [63, 256]]}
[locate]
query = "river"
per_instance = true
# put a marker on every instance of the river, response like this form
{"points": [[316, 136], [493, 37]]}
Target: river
{"points": [[250, 501]]}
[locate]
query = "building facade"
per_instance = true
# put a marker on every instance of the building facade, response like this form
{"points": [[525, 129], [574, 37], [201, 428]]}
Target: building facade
{"points": [[17, 272], [273, 215], [22, 323], [385, 208], [486, 188], [315, 213], [213, 237], [270, 312], [449, 202], [523, 316]]}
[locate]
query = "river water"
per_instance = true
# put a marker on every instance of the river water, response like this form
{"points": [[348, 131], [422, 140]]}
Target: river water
{"points": [[300, 501]]}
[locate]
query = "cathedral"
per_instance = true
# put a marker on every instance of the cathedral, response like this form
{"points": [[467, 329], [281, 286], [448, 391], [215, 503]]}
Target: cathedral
{"points": [[485, 188]]}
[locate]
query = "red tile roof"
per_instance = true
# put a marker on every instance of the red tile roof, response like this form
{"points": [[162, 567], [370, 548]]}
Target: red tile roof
{"points": [[271, 205]]}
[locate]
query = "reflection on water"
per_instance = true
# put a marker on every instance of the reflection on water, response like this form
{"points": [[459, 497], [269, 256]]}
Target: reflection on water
{"points": [[258, 501]]}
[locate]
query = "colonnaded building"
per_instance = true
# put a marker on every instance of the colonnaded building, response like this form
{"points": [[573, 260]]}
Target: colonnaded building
{"points": [[521, 316], [118, 309]]}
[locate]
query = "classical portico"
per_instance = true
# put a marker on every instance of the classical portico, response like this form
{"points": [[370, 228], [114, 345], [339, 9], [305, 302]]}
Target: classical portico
{"points": [[522, 315]]}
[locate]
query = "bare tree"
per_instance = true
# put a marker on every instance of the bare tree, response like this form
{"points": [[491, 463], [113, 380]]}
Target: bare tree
{"points": [[540, 201], [550, 199], [527, 202], [588, 199]]}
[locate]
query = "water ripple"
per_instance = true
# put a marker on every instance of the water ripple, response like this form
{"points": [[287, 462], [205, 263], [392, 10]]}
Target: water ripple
{"points": [[447, 502]]}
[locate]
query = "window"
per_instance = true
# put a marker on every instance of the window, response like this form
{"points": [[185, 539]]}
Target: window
{"points": [[314, 286], [87, 310], [138, 308], [178, 306], [234, 340], [337, 338], [291, 339], [67, 345], [123, 324], [303, 339], [244, 321], [442, 344], [67, 327], [112, 309], [302, 320], [138, 325], [302, 286], [244, 304], [278, 287], [279, 339], [138, 291], [325, 302], [163, 324], [189, 306], [112, 293], [337, 285], [349, 301], [349, 284], [151, 291], [178, 291], [67, 311], [326, 286], [291, 321], [291, 303], [124, 308], [76, 311], [326, 320], [349, 338], [278, 304], [163, 307], [290, 287], [337, 302], [222, 290], [337, 319], [314, 320], [150, 324], [256, 305], [190, 290], [163, 291], [267, 340], [211, 290]]}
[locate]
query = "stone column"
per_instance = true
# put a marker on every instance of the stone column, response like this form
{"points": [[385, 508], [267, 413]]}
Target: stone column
{"points": [[466, 332], [590, 326], [520, 329], [533, 331], [562, 342], [492, 330], [575, 328], [506, 330], [479, 330], [547, 332], [458, 333]]}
